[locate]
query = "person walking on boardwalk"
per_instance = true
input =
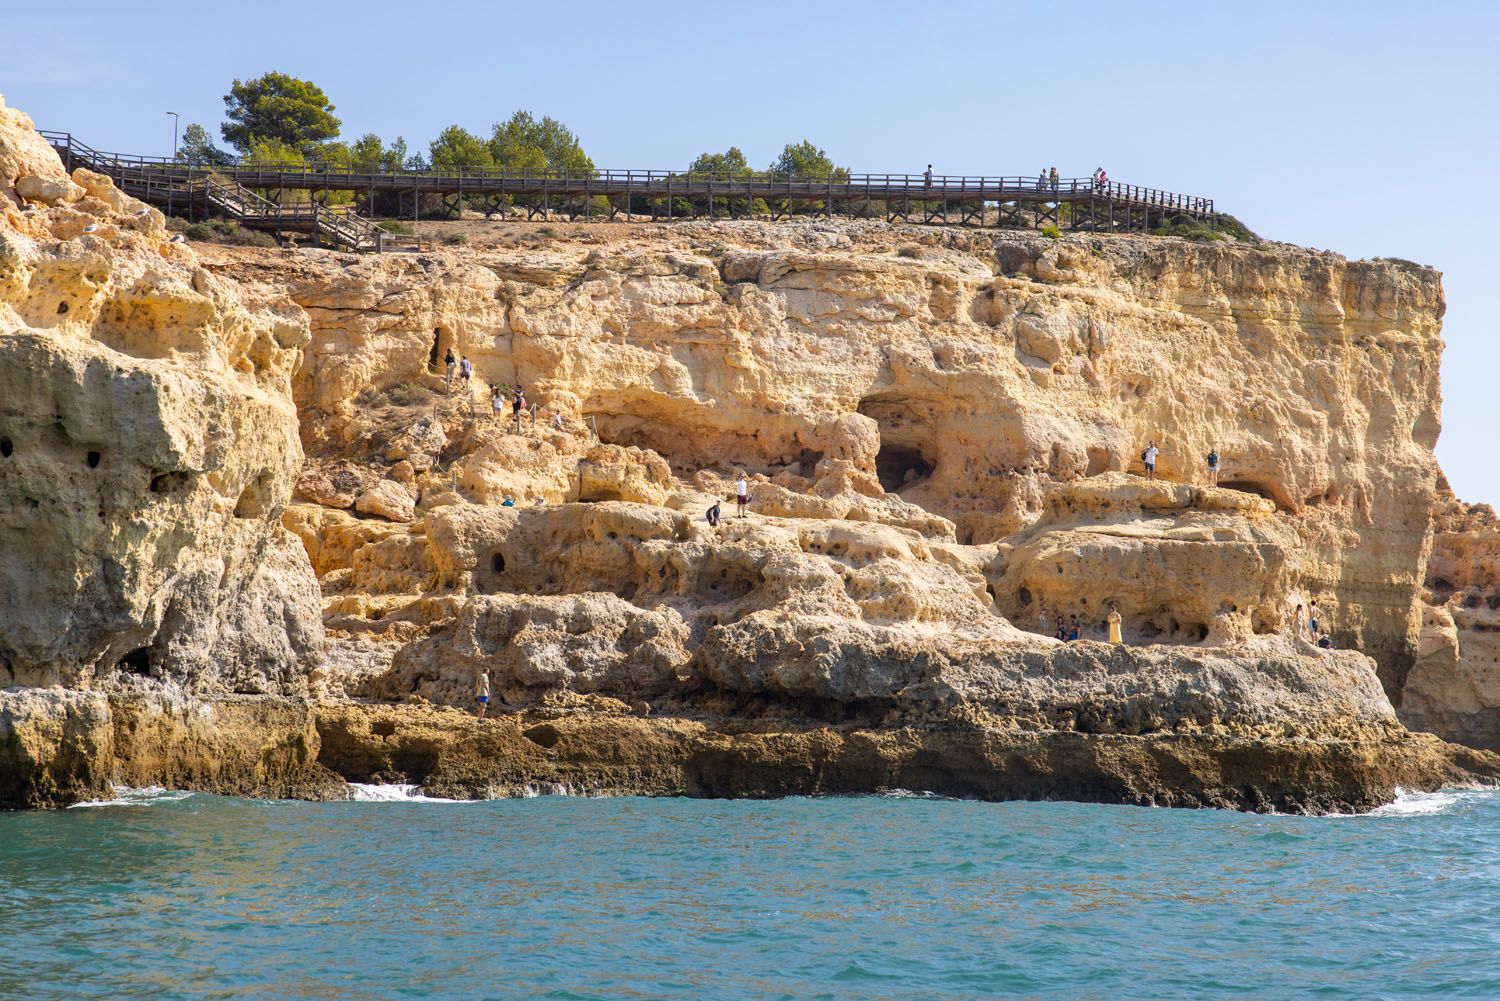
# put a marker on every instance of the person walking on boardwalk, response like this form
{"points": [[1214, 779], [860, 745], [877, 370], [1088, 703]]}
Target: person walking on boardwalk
{"points": [[1052, 176], [451, 364], [1041, 181], [927, 177], [1149, 458], [482, 692], [1213, 466], [741, 494], [1113, 618]]}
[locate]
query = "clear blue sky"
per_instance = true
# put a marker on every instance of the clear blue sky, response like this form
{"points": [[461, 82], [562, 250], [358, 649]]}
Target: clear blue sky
{"points": [[1384, 110]]}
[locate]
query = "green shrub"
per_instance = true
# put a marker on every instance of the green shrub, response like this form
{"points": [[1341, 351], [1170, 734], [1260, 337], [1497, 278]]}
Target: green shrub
{"points": [[909, 250], [250, 238], [199, 231], [548, 231], [395, 226], [409, 394], [1410, 267], [1189, 229], [1051, 232], [455, 239]]}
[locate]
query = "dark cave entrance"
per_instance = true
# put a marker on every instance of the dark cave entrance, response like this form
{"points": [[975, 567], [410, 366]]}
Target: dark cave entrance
{"points": [[899, 466], [903, 459], [442, 340], [1259, 490]]}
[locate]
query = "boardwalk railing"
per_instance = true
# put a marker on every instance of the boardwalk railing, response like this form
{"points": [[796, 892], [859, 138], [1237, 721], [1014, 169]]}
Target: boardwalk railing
{"points": [[1074, 203]]}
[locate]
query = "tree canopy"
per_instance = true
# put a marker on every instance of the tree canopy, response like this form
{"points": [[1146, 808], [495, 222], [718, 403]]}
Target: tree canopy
{"points": [[277, 107], [730, 163], [524, 143], [457, 147], [803, 159], [197, 147]]}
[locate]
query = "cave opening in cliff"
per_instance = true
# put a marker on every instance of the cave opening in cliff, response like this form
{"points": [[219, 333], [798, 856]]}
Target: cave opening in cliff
{"points": [[442, 340], [902, 460], [899, 466], [1258, 489], [6, 448], [137, 661]]}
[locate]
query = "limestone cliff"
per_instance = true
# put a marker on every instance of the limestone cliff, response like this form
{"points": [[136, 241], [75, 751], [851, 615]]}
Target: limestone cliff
{"points": [[1454, 690], [988, 396], [148, 444], [942, 431]]}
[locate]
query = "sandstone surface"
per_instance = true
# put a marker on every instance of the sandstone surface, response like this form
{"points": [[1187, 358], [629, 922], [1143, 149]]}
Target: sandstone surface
{"points": [[253, 542], [148, 443]]}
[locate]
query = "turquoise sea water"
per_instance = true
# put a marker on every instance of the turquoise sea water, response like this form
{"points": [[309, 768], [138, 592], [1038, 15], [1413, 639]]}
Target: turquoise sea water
{"points": [[181, 896]]}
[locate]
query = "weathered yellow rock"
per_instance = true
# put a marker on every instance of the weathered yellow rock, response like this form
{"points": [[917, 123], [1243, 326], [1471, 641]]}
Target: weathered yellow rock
{"points": [[148, 443]]}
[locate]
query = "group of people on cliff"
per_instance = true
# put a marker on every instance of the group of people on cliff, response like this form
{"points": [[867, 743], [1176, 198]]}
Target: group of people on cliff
{"points": [[1072, 628]]}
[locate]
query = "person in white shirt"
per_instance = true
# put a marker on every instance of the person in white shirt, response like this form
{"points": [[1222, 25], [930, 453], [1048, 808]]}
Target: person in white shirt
{"points": [[741, 494], [1149, 458]]}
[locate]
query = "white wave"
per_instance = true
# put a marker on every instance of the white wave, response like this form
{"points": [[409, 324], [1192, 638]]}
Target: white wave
{"points": [[1422, 804], [532, 790], [401, 792], [127, 796]]}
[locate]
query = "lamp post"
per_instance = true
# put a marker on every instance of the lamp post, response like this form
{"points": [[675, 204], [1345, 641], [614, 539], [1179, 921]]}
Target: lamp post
{"points": [[174, 133]]}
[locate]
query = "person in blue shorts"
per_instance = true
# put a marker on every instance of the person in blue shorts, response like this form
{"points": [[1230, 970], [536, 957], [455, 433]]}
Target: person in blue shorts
{"points": [[482, 692]]}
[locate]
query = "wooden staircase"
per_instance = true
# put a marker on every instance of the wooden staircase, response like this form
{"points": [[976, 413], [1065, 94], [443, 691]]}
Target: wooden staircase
{"points": [[182, 190]]}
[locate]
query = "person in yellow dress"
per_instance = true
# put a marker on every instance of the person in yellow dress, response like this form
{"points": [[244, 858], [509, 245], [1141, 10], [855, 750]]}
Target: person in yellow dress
{"points": [[1113, 618]]}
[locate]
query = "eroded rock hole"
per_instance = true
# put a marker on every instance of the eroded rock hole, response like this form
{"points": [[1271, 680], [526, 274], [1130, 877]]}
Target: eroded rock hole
{"points": [[497, 563], [899, 466], [6, 448], [1024, 595], [62, 308], [137, 661], [441, 342], [254, 501], [92, 459], [1258, 489], [170, 483]]}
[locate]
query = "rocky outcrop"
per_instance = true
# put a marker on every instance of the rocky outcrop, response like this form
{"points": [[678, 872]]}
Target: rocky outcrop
{"points": [[941, 432], [148, 444], [1454, 689]]}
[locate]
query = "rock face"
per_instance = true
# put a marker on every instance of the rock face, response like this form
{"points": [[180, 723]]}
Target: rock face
{"points": [[941, 434], [981, 392], [148, 444], [1454, 690]]}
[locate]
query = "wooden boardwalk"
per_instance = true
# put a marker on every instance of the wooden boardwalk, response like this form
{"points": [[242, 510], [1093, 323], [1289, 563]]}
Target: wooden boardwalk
{"points": [[1071, 203]]}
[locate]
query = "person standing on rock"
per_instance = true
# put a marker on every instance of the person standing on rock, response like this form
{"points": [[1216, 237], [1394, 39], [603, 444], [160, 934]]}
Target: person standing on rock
{"points": [[497, 403], [1113, 618], [1149, 458], [518, 404], [1041, 619], [452, 365], [557, 420], [1299, 623], [713, 515], [1213, 466], [482, 692], [741, 494], [1314, 614]]}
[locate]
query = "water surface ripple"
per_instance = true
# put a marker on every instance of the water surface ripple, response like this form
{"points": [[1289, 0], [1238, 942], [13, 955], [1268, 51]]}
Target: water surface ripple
{"points": [[194, 897]]}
